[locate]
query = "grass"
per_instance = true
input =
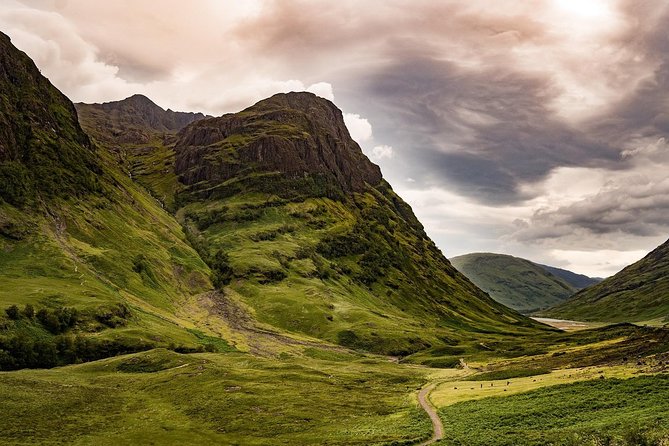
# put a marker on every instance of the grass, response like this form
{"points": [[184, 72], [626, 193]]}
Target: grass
{"points": [[504, 384], [166, 398], [600, 411]]}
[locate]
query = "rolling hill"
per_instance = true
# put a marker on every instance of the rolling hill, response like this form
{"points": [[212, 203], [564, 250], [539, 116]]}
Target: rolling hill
{"points": [[638, 293], [517, 283], [578, 281]]}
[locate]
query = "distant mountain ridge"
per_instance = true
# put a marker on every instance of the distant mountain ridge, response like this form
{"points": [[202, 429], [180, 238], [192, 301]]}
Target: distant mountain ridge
{"points": [[578, 281], [519, 283], [132, 120], [141, 136], [640, 292]]}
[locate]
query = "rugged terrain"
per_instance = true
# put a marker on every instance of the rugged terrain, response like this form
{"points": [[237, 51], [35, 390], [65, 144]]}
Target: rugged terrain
{"points": [[252, 279]]}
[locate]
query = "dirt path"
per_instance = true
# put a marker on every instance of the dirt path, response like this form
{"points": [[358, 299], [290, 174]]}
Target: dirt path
{"points": [[437, 426]]}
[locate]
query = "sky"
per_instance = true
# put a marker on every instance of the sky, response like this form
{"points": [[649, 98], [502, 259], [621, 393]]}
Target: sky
{"points": [[536, 128]]}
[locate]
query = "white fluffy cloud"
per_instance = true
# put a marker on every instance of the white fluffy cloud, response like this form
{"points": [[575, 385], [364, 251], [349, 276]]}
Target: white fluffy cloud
{"points": [[359, 128]]}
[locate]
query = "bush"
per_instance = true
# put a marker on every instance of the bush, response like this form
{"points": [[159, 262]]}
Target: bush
{"points": [[29, 311], [113, 315], [13, 312], [221, 270], [58, 320]]}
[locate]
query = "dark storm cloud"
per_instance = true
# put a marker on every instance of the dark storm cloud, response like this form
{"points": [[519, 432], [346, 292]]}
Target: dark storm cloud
{"points": [[484, 132]]}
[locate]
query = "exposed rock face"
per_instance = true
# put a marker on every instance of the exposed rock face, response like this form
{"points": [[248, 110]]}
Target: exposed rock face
{"points": [[295, 134], [133, 120]]}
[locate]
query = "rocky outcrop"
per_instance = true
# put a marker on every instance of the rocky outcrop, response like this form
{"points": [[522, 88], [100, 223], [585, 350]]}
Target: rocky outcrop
{"points": [[295, 134]]}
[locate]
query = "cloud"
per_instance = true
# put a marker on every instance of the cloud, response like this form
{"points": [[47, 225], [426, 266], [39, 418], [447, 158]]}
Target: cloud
{"points": [[359, 128], [383, 151], [322, 89], [546, 113]]}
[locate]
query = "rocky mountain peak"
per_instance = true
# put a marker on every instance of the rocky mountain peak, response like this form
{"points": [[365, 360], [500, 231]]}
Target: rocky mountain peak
{"points": [[298, 135], [134, 119]]}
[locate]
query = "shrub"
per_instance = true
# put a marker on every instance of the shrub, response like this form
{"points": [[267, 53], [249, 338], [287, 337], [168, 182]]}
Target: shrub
{"points": [[113, 315], [13, 312], [221, 270], [29, 311]]}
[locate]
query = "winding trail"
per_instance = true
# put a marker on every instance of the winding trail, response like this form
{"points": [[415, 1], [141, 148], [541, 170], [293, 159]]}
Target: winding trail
{"points": [[437, 426]]}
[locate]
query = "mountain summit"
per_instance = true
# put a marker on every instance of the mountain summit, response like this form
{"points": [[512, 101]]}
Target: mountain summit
{"points": [[296, 136]]}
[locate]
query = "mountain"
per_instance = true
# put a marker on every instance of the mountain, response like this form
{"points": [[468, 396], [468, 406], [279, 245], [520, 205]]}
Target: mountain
{"points": [[578, 281], [266, 231], [43, 150], [94, 264], [140, 135], [300, 226], [514, 282], [640, 292]]}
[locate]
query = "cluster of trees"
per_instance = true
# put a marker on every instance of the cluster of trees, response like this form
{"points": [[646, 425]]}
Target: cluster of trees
{"points": [[27, 345], [24, 350], [56, 320]]}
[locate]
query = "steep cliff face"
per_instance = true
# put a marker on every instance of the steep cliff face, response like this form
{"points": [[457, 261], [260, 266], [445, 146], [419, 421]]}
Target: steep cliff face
{"points": [[43, 150], [297, 135]]}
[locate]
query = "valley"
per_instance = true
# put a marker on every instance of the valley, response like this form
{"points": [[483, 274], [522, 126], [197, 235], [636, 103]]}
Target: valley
{"points": [[252, 279]]}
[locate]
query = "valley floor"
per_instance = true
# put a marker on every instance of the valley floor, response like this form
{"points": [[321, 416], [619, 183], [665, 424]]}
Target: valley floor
{"points": [[586, 391]]}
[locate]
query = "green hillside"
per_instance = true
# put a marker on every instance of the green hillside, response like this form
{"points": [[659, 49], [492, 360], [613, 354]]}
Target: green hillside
{"points": [[638, 293], [514, 282], [93, 263], [300, 226]]}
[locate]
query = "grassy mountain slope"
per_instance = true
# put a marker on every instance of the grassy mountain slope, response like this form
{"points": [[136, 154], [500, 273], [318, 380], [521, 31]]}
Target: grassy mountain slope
{"points": [[514, 282], [300, 226], [640, 292], [140, 135], [95, 256]]}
